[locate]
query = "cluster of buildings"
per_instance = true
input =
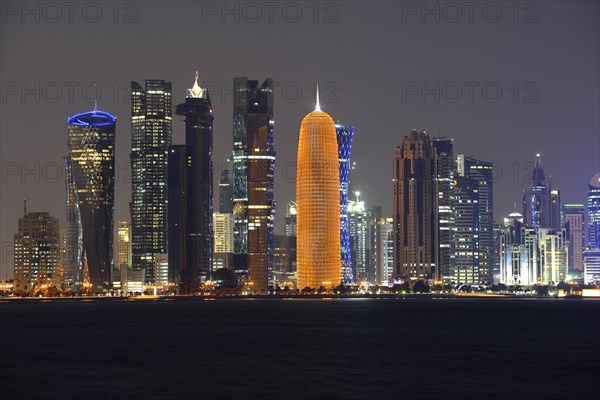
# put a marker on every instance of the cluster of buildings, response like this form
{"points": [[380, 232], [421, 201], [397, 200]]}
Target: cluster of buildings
{"points": [[441, 230]]}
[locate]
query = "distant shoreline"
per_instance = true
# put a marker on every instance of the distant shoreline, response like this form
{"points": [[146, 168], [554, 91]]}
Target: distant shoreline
{"points": [[412, 296]]}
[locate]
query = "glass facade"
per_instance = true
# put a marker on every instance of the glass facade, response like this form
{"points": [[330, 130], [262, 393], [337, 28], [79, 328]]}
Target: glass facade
{"points": [[482, 172], [345, 134], [90, 194], [254, 173], [150, 139]]}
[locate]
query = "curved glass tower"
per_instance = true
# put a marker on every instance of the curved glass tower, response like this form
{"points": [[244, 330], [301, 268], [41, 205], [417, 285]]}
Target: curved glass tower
{"points": [[345, 133], [318, 203], [90, 193]]}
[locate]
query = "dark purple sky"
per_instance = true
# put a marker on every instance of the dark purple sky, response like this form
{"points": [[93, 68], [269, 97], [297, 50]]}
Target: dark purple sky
{"points": [[370, 58]]}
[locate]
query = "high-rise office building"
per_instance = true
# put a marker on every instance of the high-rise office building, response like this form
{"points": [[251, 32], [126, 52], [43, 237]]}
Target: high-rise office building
{"points": [[223, 231], [536, 199], [345, 134], [150, 139], [90, 177], [360, 235], [384, 250], [124, 256], [518, 252], [73, 260], [225, 193], [36, 253], [466, 231], [445, 188], [573, 215], [593, 213], [280, 258], [181, 273], [553, 254], [253, 171], [482, 172], [415, 209], [318, 202], [291, 235], [198, 232], [591, 267], [554, 211]]}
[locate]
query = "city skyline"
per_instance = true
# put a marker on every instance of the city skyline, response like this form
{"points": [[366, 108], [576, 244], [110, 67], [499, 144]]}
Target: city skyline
{"points": [[512, 132]]}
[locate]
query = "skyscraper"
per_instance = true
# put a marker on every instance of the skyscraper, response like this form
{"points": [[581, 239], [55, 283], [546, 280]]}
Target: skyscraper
{"points": [[574, 217], [553, 253], [482, 172], [518, 252], [593, 213], [318, 202], [291, 235], [415, 209], [345, 134], [181, 273], [198, 114], [90, 194], [253, 170], [445, 182], [223, 231], [36, 253], [466, 231], [123, 273], [74, 260], [384, 250], [225, 193], [150, 139], [359, 238], [536, 199]]}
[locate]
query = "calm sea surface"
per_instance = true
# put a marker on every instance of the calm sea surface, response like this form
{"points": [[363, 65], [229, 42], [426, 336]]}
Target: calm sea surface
{"points": [[308, 348]]}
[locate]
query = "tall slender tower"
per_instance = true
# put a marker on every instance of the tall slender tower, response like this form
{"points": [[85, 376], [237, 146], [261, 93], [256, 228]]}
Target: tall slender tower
{"points": [[181, 272], [536, 200], [415, 209], [318, 201], [198, 114], [345, 133], [482, 173], [574, 215], [254, 171], [445, 179], [291, 235], [466, 231], [150, 139], [90, 192]]}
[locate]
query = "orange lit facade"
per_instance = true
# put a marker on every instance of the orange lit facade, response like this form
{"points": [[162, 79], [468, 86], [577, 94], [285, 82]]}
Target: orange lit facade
{"points": [[318, 203]]}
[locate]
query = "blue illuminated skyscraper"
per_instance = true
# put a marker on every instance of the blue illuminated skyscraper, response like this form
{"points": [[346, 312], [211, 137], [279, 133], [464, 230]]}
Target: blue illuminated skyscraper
{"points": [[90, 175], [593, 210], [345, 133]]}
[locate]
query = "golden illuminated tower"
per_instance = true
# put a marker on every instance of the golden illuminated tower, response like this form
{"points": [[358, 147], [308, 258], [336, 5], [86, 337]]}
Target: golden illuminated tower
{"points": [[318, 202]]}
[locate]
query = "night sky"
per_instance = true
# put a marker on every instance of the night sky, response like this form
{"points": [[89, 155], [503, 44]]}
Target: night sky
{"points": [[369, 59]]}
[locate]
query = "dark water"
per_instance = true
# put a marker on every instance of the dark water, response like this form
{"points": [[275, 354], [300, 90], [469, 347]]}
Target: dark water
{"points": [[313, 349]]}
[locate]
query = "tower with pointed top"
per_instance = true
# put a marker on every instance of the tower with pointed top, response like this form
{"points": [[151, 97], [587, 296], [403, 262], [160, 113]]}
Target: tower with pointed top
{"points": [[318, 202], [195, 165], [541, 202]]}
